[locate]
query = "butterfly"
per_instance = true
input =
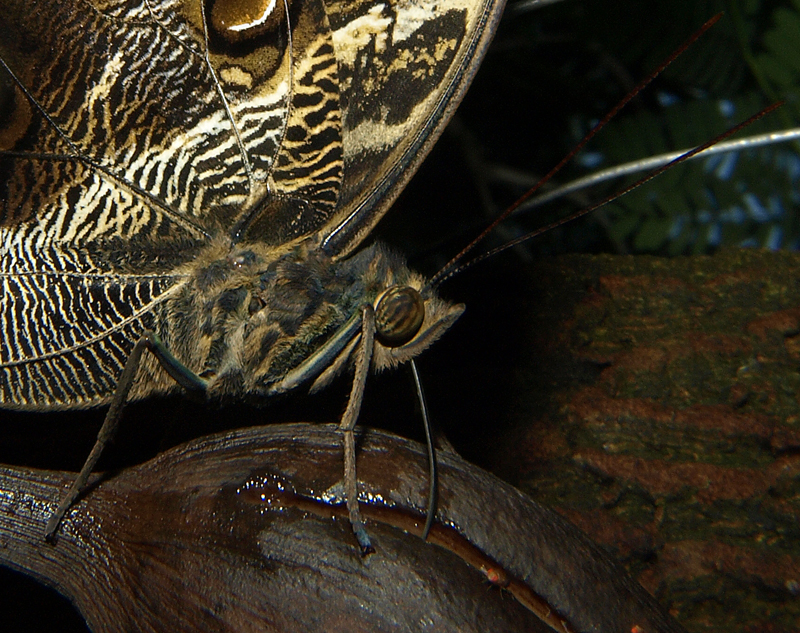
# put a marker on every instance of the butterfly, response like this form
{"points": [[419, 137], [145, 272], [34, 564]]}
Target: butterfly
{"points": [[185, 185]]}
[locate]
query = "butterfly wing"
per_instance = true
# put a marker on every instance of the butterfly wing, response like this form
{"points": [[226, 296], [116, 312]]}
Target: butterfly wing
{"points": [[123, 152], [138, 132], [403, 68]]}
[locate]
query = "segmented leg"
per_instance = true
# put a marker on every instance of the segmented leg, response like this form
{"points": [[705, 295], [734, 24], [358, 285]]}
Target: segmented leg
{"points": [[182, 375], [348, 423], [105, 435]]}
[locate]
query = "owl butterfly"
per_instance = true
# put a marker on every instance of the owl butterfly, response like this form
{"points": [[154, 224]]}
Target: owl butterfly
{"points": [[193, 178]]}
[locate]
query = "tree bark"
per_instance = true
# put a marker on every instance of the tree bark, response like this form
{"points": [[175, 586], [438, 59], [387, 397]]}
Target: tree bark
{"points": [[659, 412]]}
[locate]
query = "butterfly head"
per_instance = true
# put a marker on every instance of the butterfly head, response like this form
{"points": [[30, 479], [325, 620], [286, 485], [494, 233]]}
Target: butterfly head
{"points": [[409, 315]]}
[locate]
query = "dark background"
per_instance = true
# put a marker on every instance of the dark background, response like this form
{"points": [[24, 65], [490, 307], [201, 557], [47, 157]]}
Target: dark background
{"points": [[549, 75]]}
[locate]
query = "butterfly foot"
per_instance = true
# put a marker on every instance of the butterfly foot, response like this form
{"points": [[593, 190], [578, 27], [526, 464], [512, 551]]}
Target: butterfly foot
{"points": [[364, 543]]}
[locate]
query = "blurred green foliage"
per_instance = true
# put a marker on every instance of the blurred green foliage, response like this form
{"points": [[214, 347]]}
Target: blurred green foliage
{"points": [[559, 69]]}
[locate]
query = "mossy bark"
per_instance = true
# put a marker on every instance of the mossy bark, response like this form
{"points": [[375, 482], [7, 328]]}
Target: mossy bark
{"points": [[660, 413]]}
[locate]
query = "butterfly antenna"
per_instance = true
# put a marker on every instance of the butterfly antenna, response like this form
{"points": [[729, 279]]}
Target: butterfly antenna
{"points": [[448, 269], [648, 177]]}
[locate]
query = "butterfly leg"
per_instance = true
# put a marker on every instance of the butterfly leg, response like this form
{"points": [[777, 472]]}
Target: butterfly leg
{"points": [[182, 375], [348, 423]]}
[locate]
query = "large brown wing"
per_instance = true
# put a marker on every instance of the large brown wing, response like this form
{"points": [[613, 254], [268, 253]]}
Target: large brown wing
{"points": [[143, 120], [135, 132], [403, 68]]}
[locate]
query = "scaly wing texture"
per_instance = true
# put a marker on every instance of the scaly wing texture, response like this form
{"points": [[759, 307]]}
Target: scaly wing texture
{"points": [[403, 67], [134, 139], [137, 133]]}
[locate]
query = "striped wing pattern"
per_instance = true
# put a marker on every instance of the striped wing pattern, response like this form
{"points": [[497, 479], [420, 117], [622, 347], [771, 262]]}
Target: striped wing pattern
{"points": [[150, 148], [139, 141], [84, 325], [137, 134]]}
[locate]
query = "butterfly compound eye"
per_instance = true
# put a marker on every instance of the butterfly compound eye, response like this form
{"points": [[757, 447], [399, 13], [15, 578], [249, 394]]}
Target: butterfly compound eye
{"points": [[398, 316]]}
